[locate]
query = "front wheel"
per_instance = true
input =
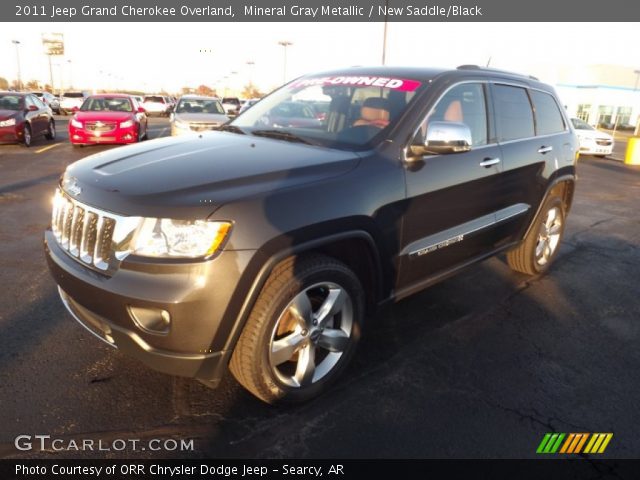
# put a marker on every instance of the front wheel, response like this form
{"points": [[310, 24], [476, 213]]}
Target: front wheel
{"points": [[540, 246], [26, 136], [302, 331]]}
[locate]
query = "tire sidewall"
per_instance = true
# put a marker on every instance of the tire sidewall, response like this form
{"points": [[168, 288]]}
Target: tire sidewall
{"points": [[550, 203], [335, 273]]}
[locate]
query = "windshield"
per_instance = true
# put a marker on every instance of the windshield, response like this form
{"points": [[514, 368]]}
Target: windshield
{"points": [[346, 112], [107, 104], [581, 125], [11, 102], [199, 105]]}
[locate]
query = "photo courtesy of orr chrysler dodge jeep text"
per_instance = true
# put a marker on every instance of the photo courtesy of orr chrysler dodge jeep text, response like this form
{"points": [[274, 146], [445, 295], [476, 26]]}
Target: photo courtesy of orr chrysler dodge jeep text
{"points": [[262, 247]]}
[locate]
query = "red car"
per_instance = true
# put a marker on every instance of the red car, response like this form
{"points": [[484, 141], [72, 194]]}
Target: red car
{"points": [[24, 117], [108, 118]]}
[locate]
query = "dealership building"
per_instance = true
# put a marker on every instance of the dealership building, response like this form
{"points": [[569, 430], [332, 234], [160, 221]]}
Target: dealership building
{"points": [[601, 95]]}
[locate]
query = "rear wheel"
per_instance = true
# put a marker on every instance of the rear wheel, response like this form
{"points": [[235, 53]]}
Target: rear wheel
{"points": [[302, 332], [51, 131], [540, 246]]}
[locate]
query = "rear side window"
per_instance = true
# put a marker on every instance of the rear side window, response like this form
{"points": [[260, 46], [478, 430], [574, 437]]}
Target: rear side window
{"points": [[514, 117], [548, 116]]}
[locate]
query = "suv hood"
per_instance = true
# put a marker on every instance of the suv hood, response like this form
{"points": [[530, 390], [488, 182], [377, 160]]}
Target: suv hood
{"points": [[190, 177], [201, 117]]}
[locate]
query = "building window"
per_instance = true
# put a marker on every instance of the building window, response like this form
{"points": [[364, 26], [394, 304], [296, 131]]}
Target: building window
{"points": [[624, 116], [605, 116], [583, 112]]}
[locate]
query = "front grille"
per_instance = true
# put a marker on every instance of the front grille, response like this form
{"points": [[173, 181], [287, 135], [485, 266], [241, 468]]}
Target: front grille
{"points": [[199, 127], [100, 126], [84, 232], [604, 142]]}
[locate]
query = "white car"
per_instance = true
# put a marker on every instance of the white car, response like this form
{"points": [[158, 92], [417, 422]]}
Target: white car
{"points": [[592, 141], [157, 105], [71, 100]]}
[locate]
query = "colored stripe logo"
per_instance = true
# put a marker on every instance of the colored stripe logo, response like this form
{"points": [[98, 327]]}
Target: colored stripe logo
{"points": [[572, 443]]}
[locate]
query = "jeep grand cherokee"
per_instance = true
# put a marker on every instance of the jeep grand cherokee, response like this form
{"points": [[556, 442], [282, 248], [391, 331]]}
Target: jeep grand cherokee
{"points": [[262, 247]]}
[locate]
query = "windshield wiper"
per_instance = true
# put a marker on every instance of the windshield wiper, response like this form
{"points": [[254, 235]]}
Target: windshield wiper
{"points": [[281, 135], [231, 128]]}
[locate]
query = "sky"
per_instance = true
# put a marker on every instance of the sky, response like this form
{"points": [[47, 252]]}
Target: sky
{"points": [[155, 56]]}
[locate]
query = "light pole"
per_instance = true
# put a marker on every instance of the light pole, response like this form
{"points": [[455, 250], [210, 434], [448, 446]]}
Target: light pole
{"points": [[70, 75], [16, 43], [285, 44], [635, 88], [251, 64], [384, 34]]}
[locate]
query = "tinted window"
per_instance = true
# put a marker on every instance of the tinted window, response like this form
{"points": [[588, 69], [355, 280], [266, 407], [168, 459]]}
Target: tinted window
{"points": [[514, 117], [74, 95], [154, 99], [464, 103], [548, 116]]}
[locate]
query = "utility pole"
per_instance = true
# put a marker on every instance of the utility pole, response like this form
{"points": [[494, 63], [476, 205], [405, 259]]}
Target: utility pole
{"points": [[285, 44], [16, 43], [384, 34]]}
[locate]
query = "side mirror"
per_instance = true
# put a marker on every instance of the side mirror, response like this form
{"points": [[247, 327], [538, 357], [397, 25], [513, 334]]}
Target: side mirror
{"points": [[444, 138], [32, 108], [141, 110], [75, 109]]}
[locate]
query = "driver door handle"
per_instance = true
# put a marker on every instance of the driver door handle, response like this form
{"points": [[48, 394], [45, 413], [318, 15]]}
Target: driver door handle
{"points": [[487, 162], [544, 149]]}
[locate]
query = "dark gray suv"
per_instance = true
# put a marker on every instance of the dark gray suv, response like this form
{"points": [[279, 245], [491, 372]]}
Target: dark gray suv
{"points": [[263, 247]]}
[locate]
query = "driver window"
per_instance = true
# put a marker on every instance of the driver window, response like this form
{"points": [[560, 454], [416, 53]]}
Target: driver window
{"points": [[464, 103]]}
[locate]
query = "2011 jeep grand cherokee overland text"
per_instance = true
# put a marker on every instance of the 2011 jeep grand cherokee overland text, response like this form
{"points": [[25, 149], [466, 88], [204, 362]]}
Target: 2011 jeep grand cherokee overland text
{"points": [[262, 247]]}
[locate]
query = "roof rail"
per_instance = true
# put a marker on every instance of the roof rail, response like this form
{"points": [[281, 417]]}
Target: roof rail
{"points": [[486, 69]]}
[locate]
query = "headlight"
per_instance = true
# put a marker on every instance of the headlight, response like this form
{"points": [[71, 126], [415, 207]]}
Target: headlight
{"points": [[8, 123], [126, 124], [179, 124], [164, 237], [76, 123]]}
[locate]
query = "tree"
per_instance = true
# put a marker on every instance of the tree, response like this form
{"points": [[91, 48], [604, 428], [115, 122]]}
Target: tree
{"points": [[4, 84], [187, 90], [205, 90], [251, 91], [33, 85]]}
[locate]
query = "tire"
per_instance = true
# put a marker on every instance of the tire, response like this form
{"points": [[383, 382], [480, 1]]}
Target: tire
{"points": [[540, 247], [51, 131], [289, 351], [27, 136]]}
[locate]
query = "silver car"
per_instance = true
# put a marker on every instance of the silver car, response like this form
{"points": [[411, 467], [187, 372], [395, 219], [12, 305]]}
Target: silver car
{"points": [[196, 114]]}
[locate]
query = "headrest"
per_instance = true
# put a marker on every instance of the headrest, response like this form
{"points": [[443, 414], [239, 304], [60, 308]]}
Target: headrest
{"points": [[376, 102]]}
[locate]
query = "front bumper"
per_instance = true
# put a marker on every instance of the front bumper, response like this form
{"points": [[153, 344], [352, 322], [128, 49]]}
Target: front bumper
{"points": [[12, 134], [79, 136], [196, 296]]}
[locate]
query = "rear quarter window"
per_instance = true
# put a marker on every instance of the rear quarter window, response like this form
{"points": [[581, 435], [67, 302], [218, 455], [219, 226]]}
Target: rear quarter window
{"points": [[548, 116], [514, 117]]}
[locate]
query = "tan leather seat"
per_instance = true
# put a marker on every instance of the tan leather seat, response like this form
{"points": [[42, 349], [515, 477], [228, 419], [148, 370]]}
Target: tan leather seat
{"points": [[454, 112], [375, 112]]}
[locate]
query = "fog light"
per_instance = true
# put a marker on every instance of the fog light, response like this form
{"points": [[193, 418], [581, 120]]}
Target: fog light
{"points": [[151, 320]]}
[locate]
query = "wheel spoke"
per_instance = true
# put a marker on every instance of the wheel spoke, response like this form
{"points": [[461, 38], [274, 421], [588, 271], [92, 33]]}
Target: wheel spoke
{"points": [[301, 310], [283, 350], [306, 365], [332, 305], [555, 229], [334, 340], [547, 251]]}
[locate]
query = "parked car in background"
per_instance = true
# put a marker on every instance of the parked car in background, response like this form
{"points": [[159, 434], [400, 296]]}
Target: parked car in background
{"points": [[108, 118], [248, 104], [196, 114], [592, 141], [157, 105], [71, 100], [231, 105], [293, 114], [23, 117], [50, 100]]}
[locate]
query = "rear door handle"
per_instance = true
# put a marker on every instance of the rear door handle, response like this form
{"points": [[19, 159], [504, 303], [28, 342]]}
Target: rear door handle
{"points": [[487, 162], [545, 149]]}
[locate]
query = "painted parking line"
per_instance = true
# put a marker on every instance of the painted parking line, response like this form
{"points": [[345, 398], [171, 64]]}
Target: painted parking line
{"points": [[48, 147], [161, 132]]}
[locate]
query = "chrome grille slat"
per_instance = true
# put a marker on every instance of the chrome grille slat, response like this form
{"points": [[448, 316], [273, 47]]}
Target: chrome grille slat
{"points": [[96, 238]]}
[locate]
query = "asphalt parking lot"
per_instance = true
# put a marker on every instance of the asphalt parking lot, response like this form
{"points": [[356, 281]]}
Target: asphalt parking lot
{"points": [[481, 365]]}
